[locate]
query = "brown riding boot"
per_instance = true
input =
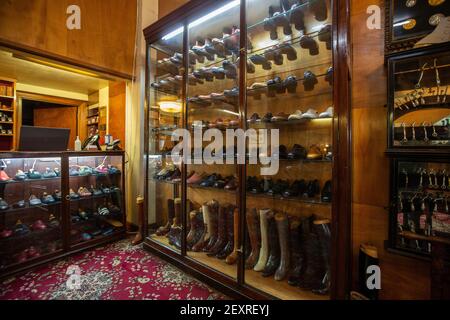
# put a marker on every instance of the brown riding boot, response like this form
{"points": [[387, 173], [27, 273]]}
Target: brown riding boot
{"points": [[164, 230], [229, 247], [283, 236], [254, 232], [197, 229], [232, 258], [222, 231], [264, 252], [200, 245], [213, 207]]}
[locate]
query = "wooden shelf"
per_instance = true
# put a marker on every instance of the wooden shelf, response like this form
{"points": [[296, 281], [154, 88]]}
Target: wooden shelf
{"points": [[6, 135], [7, 97], [7, 110], [279, 289], [6, 122]]}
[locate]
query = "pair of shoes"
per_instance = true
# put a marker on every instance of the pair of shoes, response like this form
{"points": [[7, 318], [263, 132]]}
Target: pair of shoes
{"points": [[21, 229], [311, 114], [3, 176], [84, 192], [278, 18], [39, 225], [46, 199]]}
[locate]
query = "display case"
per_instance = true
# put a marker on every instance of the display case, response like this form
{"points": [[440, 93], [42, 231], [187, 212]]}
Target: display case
{"points": [[54, 204], [419, 141], [224, 68]]}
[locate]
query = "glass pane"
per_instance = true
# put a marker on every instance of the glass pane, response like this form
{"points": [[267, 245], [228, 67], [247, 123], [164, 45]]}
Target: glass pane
{"points": [[289, 89], [421, 99], [213, 103], [422, 209], [30, 209], [96, 198], [165, 104]]}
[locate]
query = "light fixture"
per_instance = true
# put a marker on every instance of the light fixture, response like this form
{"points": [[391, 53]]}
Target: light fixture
{"points": [[171, 106], [402, 23], [203, 19]]}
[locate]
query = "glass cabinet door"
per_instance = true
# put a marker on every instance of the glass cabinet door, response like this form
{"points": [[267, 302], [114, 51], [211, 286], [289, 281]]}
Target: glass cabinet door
{"points": [[95, 198], [30, 210], [165, 103], [213, 107], [290, 89]]}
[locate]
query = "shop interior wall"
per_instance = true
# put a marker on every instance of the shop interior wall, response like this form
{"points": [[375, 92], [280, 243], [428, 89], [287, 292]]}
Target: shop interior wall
{"points": [[402, 278], [106, 38]]}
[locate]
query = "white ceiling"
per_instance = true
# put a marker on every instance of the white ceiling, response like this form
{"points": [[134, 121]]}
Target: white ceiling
{"points": [[31, 73]]}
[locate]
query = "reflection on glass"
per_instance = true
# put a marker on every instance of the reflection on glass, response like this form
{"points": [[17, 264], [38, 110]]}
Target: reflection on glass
{"points": [[30, 209]]}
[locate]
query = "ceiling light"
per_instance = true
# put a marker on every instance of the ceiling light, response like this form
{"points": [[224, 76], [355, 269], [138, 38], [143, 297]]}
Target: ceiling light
{"points": [[171, 106], [203, 19]]}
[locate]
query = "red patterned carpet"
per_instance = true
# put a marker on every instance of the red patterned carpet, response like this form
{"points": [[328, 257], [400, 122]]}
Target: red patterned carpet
{"points": [[115, 272]]}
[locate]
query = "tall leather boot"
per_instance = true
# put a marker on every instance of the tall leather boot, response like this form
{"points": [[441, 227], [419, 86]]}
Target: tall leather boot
{"points": [[315, 268], [283, 236], [232, 258], [254, 232], [228, 249], [175, 230], [164, 230], [213, 210], [368, 256], [203, 241], [197, 229], [297, 257], [274, 247], [323, 230], [264, 252], [319, 9], [222, 232]]}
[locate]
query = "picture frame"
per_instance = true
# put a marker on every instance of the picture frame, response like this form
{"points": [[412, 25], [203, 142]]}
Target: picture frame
{"points": [[409, 21]]}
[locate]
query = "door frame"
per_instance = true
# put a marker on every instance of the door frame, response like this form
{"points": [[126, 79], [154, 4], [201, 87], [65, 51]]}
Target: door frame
{"points": [[79, 104]]}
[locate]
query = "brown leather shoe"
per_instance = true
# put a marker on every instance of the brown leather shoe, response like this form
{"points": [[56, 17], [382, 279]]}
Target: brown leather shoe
{"points": [[280, 117]]}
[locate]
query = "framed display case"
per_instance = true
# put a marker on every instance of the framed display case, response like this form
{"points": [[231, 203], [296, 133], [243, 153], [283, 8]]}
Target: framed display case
{"points": [[419, 141], [54, 204], [408, 21], [251, 65]]}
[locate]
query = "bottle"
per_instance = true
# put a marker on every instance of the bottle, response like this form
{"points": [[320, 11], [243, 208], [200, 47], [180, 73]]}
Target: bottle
{"points": [[78, 144]]}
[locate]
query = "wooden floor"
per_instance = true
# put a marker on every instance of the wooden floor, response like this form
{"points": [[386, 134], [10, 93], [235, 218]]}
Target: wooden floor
{"points": [[278, 289]]}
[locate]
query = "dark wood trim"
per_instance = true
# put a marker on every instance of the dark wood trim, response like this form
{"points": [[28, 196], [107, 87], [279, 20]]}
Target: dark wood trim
{"points": [[105, 73], [341, 267], [145, 227]]}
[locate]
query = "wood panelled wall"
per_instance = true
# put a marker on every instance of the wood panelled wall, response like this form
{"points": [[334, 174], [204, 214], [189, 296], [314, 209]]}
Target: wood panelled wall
{"points": [[117, 111], [166, 7], [106, 38], [402, 278]]}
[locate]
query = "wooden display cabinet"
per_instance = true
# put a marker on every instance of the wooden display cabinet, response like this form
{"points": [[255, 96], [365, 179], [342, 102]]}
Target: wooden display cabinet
{"points": [[196, 81]]}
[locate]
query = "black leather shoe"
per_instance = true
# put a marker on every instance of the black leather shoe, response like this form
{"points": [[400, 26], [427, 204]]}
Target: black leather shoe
{"points": [[278, 188], [291, 84], [281, 20], [230, 69], [282, 153], [297, 152], [306, 42], [267, 118], [309, 81], [274, 55], [269, 25], [294, 189], [219, 73], [209, 181], [313, 189], [297, 17], [319, 9], [327, 192], [275, 86], [289, 51], [261, 60]]}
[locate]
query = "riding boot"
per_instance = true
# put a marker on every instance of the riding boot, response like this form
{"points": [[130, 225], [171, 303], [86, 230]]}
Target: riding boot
{"points": [[213, 210], [315, 268], [206, 235], [197, 229], [323, 230], [222, 232], [175, 231], [254, 232], [297, 259], [228, 249], [283, 236], [264, 252], [233, 257], [164, 230], [274, 247]]}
